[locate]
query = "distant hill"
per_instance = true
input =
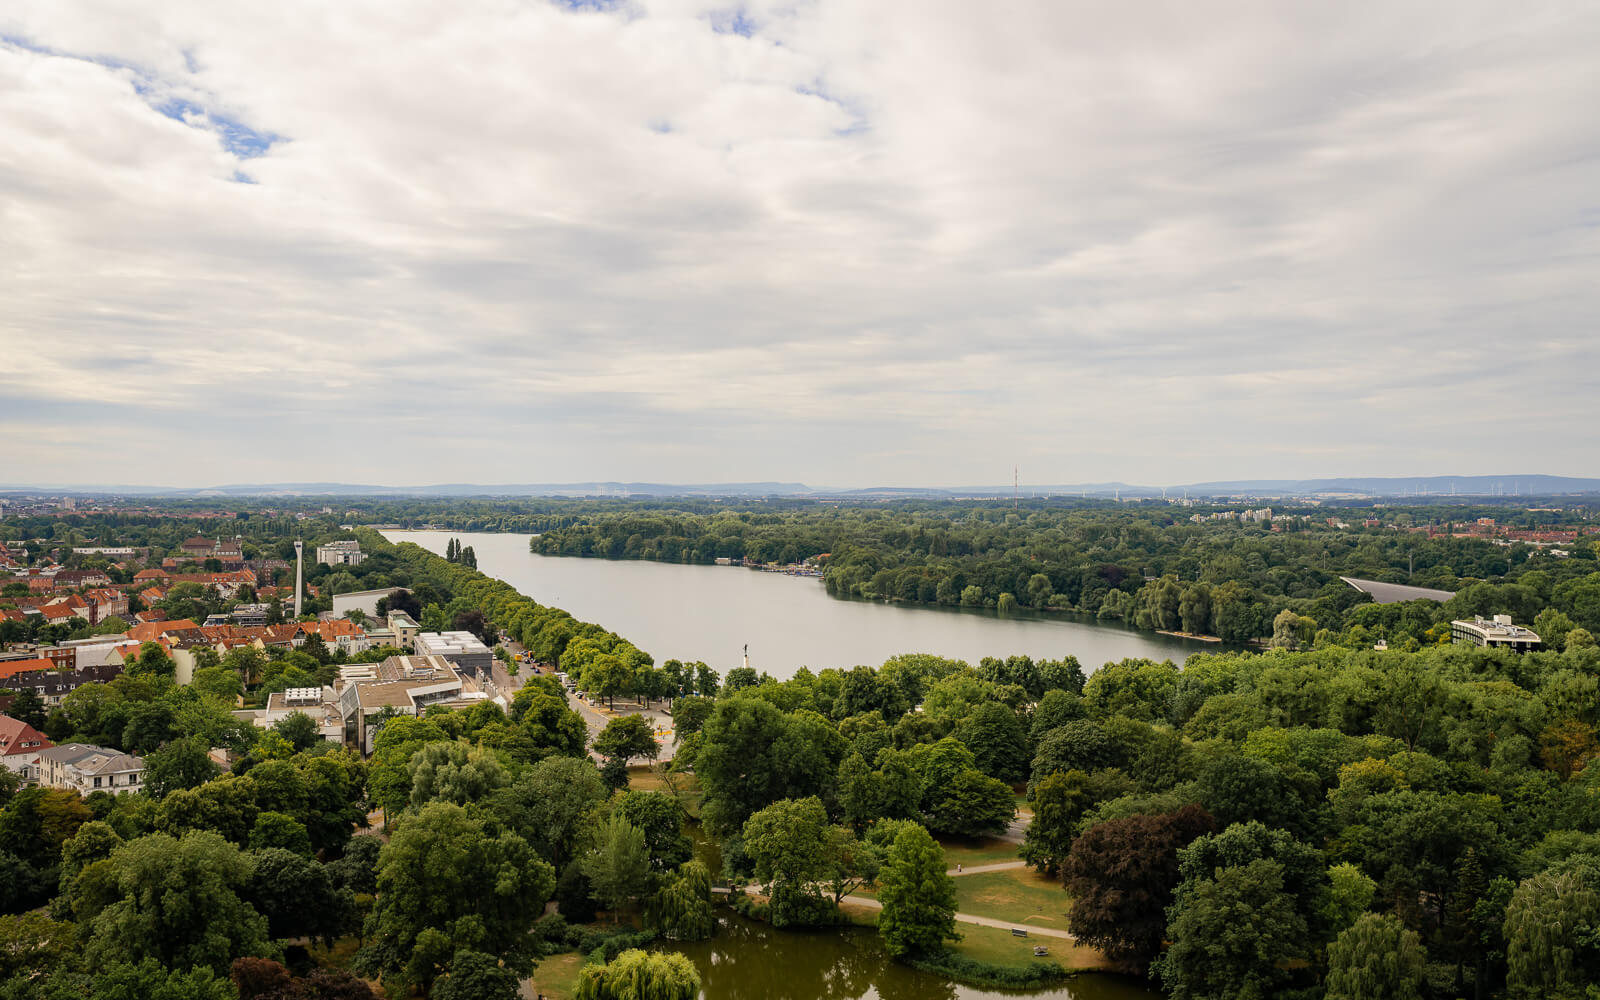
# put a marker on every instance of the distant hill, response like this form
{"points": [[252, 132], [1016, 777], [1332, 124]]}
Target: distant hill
{"points": [[1364, 486], [1517, 485]]}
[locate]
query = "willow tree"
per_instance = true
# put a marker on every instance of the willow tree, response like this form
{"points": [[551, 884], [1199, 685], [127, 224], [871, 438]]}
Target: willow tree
{"points": [[640, 975]]}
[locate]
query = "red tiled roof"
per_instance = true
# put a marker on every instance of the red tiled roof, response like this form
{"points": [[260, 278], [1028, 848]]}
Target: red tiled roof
{"points": [[11, 668], [17, 737], [331, 630], [150, 631]]}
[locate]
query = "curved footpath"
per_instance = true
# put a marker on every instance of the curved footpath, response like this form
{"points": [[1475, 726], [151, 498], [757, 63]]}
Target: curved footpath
{"points": [[972, 918]]}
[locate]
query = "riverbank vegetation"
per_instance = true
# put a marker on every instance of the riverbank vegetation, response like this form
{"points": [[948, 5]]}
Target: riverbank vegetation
{"points": [[1150, 565]]}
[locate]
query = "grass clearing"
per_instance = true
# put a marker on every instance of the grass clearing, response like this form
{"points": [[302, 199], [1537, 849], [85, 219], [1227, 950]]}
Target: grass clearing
{"points": [[1000, 947], [556, 977], [1019, 895], [971, 853], [339, 956]]}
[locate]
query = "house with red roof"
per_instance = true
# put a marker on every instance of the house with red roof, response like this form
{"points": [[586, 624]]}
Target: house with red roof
{"points": [[337, 633], [60, 614], [153, 631], [20, 744], [10, 669]]}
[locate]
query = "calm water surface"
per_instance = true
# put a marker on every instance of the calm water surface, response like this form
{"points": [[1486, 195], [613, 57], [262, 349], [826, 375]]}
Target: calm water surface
{"points": [[751, 961], [710, 612]]}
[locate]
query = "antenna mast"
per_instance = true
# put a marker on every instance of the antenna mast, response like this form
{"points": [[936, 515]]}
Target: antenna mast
{"points": [[1016, 488]]}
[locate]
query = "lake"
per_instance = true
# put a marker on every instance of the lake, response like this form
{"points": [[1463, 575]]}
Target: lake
{"points": [[751, 961], [710, 613]]}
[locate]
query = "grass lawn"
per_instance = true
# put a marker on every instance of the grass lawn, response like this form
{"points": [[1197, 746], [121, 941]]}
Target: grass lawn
{"points": [[339, 956], [861, 916], [556, 977], [999, 947], [643, 778], [981, 851], [1019, 895]]}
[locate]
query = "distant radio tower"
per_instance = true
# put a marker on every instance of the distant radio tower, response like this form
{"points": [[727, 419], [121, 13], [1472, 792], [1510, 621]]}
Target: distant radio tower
{"points": [[1016, 488], [299, 575]]}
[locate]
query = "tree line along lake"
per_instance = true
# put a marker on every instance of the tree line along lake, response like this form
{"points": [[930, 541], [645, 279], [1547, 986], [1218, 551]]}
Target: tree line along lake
{"points": [[710, 613]]}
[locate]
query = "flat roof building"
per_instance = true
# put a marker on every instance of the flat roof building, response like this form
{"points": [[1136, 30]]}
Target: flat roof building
{"points": [[1496, 633], [400, 685], [341, 553], [320, 704], [1391, 593], [365, 601], [463, 649]]}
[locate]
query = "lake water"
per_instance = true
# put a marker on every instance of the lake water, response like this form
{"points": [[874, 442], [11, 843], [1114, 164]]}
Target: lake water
{"points": [[751, 961], [709, 613]]}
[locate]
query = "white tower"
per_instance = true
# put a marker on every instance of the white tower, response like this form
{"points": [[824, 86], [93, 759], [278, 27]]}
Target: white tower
{"points": [[299, 573]]}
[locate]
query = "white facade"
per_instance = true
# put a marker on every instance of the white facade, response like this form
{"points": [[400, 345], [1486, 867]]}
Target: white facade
{"points": [[463, 649], [1498, 633], [342, 553], [84, 769], [365, 601]]}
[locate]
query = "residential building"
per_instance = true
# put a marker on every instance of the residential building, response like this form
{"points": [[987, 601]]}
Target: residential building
{"points": [[341, 553], [405, 629], [337, 634], [10, 669], [250, 615], [53, 685], [463, 649], [1496, 633], [20, 745], [74, 579], [155, 630], [106, 602], [225, 549], [85, 768]]}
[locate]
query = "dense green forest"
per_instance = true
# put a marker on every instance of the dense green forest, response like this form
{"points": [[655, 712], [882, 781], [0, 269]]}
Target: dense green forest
{"points": [[1330, 822], [1147, 565]]}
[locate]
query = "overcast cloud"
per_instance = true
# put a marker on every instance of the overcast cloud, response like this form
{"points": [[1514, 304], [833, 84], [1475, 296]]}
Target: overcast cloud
{"points": [[844, 243]]}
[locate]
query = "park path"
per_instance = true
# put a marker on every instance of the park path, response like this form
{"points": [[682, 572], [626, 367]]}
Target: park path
{"points": [[980, 869], [973, 918]]}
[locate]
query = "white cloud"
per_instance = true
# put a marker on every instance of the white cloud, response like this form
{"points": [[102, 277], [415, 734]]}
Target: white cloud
{"points": [[866, 243]]}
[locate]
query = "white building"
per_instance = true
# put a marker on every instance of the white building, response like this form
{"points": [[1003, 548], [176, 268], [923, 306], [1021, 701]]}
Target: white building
{"points": [[463, 649], [1497, 634], [400, 685], [20, 746], [405, 629], [321, 704], [84, 768], [342, 553], [365, 601]]}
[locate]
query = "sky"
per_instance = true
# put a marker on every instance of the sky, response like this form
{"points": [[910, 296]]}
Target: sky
{"points": [[847, 244]]}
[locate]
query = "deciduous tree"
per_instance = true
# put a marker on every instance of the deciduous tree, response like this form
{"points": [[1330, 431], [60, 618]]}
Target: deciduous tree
{"points": [[919, 899], [1376, 958], [1121, 875]]}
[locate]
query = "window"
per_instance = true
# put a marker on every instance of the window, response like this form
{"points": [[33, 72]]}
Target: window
{"points": [[97, 782], [133, 779]]}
